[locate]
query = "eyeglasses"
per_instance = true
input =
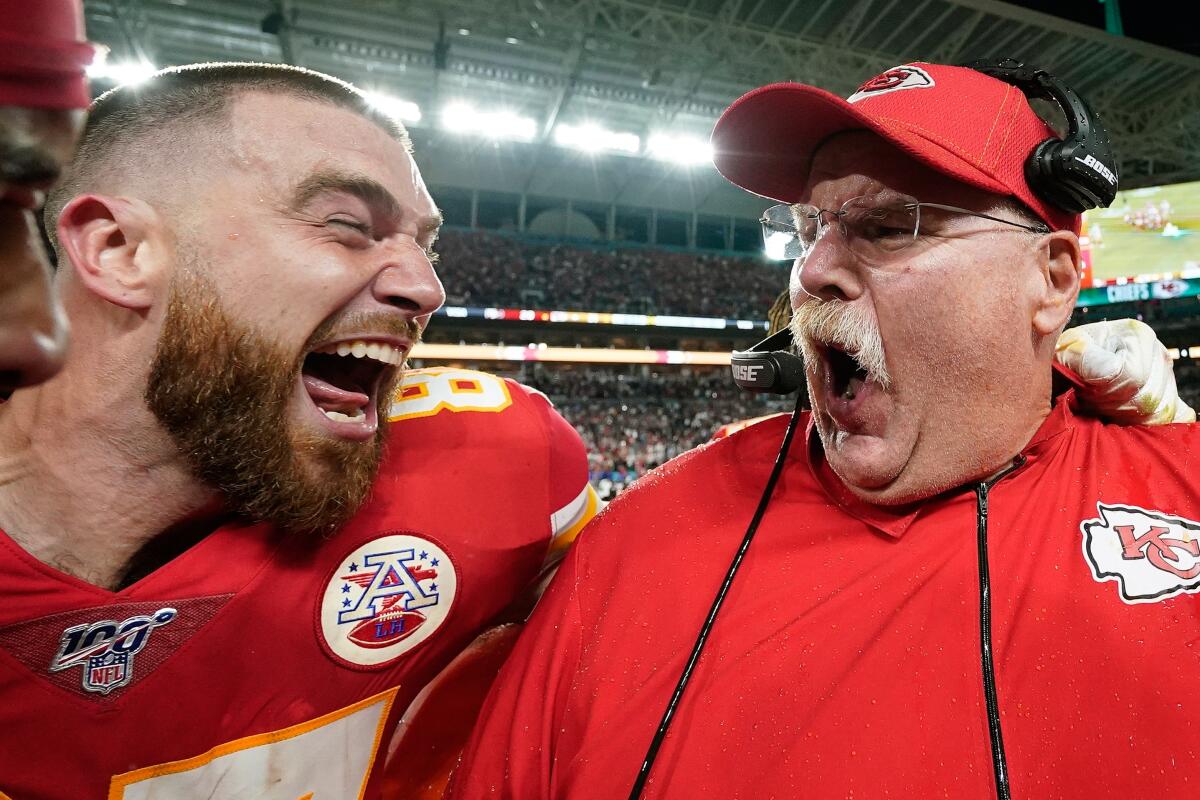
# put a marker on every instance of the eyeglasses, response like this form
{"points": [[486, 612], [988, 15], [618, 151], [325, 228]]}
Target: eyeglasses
{"points": [[874, 227]]}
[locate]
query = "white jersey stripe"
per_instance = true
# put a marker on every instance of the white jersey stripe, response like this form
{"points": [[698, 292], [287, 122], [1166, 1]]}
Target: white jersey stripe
{"points": [[569, 515]]}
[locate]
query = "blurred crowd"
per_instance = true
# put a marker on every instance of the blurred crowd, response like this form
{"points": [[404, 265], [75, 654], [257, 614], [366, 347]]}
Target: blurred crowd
{"points": [[1187, 379], [496, 270], [633, 422]]}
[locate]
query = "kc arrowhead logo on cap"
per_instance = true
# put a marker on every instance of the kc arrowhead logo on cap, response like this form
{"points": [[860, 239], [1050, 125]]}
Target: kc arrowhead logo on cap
{"points": [[895, 79]]}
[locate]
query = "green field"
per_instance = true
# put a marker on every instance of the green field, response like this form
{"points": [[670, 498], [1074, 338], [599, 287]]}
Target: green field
{"points": [[1168, 243]]}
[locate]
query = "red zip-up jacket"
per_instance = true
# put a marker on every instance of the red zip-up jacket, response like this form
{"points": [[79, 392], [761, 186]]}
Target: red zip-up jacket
{"points": [[848, 660]]}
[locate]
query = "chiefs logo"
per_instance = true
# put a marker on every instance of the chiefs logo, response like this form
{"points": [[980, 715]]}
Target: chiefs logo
{"points": [[895, 79], [1165, 290], [1151, 555]]}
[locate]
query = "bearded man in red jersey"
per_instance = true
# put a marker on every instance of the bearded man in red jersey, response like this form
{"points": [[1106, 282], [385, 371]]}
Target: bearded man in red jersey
{"points": [[226, 575]]}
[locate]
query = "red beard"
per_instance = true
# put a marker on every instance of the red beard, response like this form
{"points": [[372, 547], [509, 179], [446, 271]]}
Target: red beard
{"points": [[222, 392]]}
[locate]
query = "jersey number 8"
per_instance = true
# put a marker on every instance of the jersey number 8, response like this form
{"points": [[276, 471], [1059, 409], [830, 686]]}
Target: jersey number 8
{"points": [[426, 392]]}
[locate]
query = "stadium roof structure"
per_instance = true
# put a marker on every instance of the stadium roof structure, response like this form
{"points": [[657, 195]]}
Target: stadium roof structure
{"points": [[650, 67]]}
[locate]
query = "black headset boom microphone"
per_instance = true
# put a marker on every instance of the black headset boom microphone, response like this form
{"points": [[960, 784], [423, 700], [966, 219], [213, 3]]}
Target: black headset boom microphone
{"points": [[1074, 174], [771, 366]]}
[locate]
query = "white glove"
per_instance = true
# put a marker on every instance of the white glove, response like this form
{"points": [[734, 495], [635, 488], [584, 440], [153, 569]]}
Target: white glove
{"points": [[1128, 373]]}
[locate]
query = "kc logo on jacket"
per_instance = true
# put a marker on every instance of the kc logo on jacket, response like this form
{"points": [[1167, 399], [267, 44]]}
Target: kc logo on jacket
{"points": [[385, 598], [1151, 555]]}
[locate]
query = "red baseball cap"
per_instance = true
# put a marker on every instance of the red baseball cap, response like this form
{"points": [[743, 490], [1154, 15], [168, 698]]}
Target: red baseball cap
{"points": [[971, 127], [43, 54]]}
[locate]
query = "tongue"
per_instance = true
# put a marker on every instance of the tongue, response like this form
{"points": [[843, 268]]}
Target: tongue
{"points": [[330, 398]]}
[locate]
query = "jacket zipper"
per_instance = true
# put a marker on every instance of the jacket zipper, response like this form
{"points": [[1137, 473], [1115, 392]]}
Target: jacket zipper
{"points": [[999, 761]]}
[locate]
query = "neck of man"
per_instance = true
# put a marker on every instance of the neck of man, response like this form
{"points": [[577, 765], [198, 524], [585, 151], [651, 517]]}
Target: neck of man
{"points": [[88, 478]]}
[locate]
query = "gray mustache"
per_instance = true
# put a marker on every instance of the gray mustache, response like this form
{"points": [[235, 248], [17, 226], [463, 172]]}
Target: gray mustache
{"points": [[849, 327]]}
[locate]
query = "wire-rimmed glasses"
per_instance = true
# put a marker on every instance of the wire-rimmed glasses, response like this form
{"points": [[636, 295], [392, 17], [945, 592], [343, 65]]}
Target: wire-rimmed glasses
{"points": [[874, 226]]}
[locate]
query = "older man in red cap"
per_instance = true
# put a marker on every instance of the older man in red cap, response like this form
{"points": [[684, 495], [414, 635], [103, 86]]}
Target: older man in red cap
{"points": [[957, 586], [43, 94]]}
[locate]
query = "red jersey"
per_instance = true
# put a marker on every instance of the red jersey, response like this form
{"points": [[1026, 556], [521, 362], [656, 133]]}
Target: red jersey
{"points": [[267, 666], [847, 659]]}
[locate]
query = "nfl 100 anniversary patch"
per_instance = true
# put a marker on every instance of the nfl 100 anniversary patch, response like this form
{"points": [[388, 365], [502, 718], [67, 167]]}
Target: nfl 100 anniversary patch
{"points": [[1152, 556], [102, 651], [105, 650]]}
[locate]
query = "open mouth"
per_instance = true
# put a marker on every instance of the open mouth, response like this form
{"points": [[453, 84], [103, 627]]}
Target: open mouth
{"points": [[343, 380], [846, 376]]}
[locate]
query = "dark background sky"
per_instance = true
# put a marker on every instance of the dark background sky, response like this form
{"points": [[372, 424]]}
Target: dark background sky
{"points": [[1170, 23]]}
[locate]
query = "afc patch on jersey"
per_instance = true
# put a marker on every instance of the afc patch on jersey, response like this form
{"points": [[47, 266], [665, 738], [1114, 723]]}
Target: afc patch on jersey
{"points": [[385, 598], [1151, 555]]}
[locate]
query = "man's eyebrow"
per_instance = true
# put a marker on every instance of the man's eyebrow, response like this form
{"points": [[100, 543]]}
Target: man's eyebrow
{"points": [[369, 190], [429, 226]]}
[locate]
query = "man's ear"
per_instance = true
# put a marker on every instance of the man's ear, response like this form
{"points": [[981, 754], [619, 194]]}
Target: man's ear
{"points": [[105, 241], [1060, 266]]}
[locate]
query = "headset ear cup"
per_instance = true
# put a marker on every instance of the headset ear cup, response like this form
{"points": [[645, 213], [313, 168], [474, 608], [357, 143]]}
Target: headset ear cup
{"points": [[1058, 189], [1075, 173], [1039, 170]]}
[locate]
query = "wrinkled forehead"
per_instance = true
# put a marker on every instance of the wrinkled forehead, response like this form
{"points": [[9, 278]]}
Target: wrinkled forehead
{"points": [[854, 163], [284, 139]]}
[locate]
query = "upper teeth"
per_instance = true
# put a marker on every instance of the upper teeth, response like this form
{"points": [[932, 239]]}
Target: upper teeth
{"points": [[360, 348]]}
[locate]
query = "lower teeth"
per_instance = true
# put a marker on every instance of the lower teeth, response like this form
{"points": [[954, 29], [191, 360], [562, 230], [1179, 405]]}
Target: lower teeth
{"points": [[338, 416]]}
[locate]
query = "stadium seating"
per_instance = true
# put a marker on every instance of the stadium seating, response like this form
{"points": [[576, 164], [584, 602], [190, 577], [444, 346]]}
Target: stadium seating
{"points": [[633, 422], [501, 270]]}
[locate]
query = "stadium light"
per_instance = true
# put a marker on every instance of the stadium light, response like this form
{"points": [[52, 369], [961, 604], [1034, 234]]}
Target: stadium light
{"points": [[687, 150], [462, 118], [592, 138], [125, 73], [394, 107]]}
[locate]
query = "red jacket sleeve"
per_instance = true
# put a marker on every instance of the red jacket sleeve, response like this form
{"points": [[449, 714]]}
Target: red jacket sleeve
{"points": [[510, 753]]}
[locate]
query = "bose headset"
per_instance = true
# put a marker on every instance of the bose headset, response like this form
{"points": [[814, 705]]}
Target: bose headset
{"points": [[1074, 173]]}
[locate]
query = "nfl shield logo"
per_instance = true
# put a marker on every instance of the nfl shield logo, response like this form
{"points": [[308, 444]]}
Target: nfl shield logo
{"points": [[106, 672]]}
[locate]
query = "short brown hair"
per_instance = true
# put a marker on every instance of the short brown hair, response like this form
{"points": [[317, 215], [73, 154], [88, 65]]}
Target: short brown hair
{"points": [[124, 120]]}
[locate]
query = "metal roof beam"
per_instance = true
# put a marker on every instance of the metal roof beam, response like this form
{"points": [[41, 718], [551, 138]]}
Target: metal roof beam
{"points": [[950, 52], [913, 15]]}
